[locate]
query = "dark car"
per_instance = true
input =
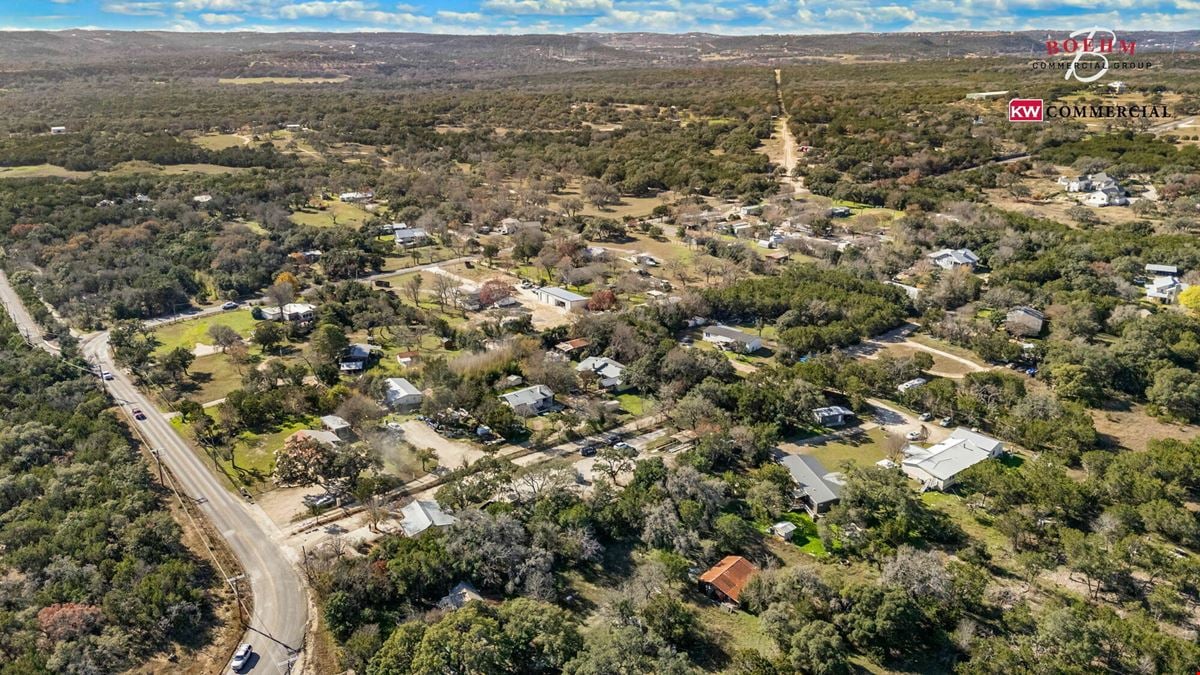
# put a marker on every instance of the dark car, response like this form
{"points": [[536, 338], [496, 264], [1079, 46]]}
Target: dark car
{"points": [[138, 414], [588, 451]]}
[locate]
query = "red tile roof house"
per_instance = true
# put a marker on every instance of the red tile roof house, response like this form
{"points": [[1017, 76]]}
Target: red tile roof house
{"points": [[726, 580]]}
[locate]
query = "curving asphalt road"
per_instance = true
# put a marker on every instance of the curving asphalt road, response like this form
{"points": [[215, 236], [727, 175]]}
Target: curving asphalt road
{"points": [[279, 620], [280, 608]]}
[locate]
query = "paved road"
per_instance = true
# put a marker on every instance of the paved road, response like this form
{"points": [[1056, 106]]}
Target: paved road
{"points": [[280, 616]]}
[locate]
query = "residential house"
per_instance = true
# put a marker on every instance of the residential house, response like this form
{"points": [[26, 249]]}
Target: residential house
{"points": [[609, 373], [573, 347], [294, 312], [726, 580], [459, 596], [356, 358], [1102, 189], [420, 515], [530, 401], [292, 127], [1117, 87], [832, 416], [356, 197], [1111, 196], [1024, 321], [468, 299], [1162, 270], [400, 394], [948, 259], [408, 237], [319, 435], [937, 467], [407, 358], [1165, 289], [561, 298], [783, 530], [337, 426], [816, 488], [913, 383], [511, 225], [644, 259], [732, 339]]}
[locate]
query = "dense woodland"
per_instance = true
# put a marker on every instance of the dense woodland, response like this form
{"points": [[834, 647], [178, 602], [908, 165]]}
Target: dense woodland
{"points": [[95, 576]]}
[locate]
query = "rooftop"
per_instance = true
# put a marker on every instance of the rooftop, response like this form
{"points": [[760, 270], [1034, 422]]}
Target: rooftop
{"points": [[420, 515], [730, 575], [729, 333], [528, 395], [812, 478], [561, 294], [402, 386]]}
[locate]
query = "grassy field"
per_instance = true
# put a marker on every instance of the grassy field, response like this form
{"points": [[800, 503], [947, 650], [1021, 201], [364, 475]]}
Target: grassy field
{"points": [[330, 213], [941, 364], [254, 454], [863, 449], [41, 171], [805, 537], [633, 404], [284, 80], [189, 333], [219, 141], [215, 376]]}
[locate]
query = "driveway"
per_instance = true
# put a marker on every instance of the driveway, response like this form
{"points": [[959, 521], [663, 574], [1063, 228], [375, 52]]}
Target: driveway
{"points": [[450, 454]]}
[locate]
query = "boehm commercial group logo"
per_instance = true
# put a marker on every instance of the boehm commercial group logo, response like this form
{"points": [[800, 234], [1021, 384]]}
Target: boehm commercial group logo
{"points": [[1093, 53]]}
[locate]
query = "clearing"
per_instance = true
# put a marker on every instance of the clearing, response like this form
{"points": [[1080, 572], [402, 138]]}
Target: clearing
{"points": [[337, 79], [190, 332]]}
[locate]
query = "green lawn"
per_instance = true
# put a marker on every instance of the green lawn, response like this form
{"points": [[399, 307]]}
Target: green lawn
{"points": [[332, 210], [211, 377], [633, 404], [805, 537], [255, 453], [863, 449], [188, 333]]}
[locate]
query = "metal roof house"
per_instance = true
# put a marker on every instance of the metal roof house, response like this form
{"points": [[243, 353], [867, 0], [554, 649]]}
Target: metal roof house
{"points": [[399, 393], [420, 515], [530, 401], [609, 372], [832, 416], [561, 298], [817, 489], [937, 467], [732, 339], [727, 579], [948, 259]]}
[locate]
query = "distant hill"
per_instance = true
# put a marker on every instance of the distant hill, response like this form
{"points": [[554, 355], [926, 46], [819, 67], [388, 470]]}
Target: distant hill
{"points": [[423, 56]]}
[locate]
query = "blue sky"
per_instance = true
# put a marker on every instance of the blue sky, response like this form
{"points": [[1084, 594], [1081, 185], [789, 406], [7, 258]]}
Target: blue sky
{"points": [[564, 16]]}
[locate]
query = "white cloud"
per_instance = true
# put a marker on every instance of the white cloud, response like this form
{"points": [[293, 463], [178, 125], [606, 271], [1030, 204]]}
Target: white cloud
{"points": [[134, 8], [219, 5], [461, 17], [549, 7], [353, 10], [220, 19]]}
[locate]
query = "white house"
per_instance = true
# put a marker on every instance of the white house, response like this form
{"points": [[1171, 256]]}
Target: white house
{"points": [[202, 199], [420, 515], [1162, 270], [400, 394], [948, 259], [938, 466], [1165, 289], [296, 312], [1110, 196], [1102, 189], [407, 237], [561, 298], [58, 130], [355, 197], [533, 400], [610, 374], [732, 339], [832, 416], [1117, 87], [338, 426]]}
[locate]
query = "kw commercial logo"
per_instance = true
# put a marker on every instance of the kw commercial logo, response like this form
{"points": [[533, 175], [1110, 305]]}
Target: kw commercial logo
{"points": [[1090, 50], [1025, 110], [1035, 110]]}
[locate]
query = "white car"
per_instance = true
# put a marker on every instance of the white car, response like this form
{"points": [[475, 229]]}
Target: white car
{"points": [[913, 435], [241, 657], [230, 305], [106, 375]]}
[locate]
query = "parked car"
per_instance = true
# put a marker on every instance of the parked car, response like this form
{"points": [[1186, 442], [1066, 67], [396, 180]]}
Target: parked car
{"points": [[622, 445], [230, 305], [925, 417], [526, 284], [138, 414], [241, 657], [588, 451], [913, 435], [946, 421]]}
